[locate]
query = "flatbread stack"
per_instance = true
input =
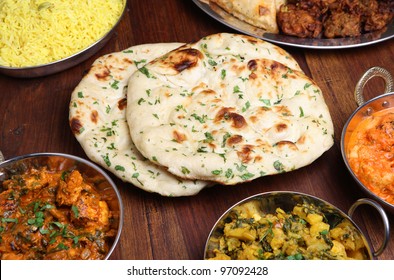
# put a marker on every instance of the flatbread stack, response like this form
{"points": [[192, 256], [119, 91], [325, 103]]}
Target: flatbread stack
{"points": [[259, 13], [175, 118]]}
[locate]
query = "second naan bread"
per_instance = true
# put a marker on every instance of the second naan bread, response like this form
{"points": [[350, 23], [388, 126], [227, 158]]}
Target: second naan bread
{"points": [[98, 120], [228, 108]]}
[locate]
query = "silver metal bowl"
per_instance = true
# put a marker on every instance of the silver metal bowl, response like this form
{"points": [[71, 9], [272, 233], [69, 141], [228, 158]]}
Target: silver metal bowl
{"points": [[65, 162], [268, 203], [365, 109], [64, 63]]}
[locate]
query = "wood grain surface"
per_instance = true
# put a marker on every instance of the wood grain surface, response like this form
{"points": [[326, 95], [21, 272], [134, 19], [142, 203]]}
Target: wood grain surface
{"points": [[34, 118]]}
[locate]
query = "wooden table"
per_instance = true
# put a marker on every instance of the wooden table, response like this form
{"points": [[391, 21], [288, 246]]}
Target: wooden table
{"points": [[34, 118]]}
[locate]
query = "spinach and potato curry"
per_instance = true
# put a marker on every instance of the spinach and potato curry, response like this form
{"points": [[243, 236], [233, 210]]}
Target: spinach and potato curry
{"points": [[48, 214], [301, 234]]}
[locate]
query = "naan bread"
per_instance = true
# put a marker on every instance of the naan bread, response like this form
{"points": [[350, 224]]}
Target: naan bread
{"points": [[98, 120], [260, 13], [228, 108]]}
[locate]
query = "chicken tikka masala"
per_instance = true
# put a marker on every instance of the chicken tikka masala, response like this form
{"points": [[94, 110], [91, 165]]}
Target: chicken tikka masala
{"points": [[57, 215]]}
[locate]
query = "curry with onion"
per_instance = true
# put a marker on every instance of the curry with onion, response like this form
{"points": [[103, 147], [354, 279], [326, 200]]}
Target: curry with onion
{"points": [[48, 214]]}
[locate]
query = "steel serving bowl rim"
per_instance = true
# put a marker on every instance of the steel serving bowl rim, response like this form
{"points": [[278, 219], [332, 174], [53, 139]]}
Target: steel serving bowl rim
{"points": [[343, 152], [105, 37], [90, 164], [266, 194]]}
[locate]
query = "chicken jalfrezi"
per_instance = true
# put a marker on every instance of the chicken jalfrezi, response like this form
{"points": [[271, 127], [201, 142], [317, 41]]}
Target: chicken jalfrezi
{"points": [[53, 216], [334, 18]]}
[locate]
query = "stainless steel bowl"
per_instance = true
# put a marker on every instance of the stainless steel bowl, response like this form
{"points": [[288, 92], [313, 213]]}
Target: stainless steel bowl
{"points": [[268, 203], [62, 64], [102, 182], [365, 109]]}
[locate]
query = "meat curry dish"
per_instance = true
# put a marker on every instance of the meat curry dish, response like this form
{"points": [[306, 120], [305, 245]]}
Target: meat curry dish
{"points": [[56, 215], [334, 18], [371, 153]]}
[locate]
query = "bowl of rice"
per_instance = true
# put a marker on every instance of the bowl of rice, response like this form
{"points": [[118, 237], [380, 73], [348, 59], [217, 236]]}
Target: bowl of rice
{"points": [[39, 38]]}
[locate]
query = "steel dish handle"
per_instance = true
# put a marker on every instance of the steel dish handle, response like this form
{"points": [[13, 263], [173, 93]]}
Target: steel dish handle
{"points": [[385, 221], [369, 74]]}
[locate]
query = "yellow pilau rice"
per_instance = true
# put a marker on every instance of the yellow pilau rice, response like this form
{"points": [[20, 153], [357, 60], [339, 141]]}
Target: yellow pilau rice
{"points": [[34, 32]]}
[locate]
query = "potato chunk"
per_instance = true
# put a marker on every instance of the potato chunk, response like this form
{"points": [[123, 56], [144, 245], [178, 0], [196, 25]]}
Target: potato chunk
{"points": [[241, 233], [338, 250], [319, 227], [314, 218]]}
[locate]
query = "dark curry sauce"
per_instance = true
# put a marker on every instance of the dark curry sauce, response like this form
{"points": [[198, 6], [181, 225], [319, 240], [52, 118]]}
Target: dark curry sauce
{"points": [[49, 214]]}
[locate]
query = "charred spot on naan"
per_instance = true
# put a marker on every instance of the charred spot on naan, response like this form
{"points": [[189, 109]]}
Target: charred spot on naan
{"points": [[282, 110], [227, 114], [122, 104], [118, 66], [101, 73], [252, 65], [76, 126], [286, 144], [245, 154], [302, 140], [280, 127], [94, 116], [254, 119], [207, 92], [109, 67], [233, 140], [273, 66], [179, 137], [181, 59], [286, 149]]}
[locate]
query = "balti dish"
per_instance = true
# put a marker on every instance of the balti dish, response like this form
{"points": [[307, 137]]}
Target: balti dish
{"points": [[52, 214], [306, 232]]}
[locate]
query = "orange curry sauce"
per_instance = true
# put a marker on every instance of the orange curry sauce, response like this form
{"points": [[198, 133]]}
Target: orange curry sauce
{"points": [[53, 215], [371, 154]]}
